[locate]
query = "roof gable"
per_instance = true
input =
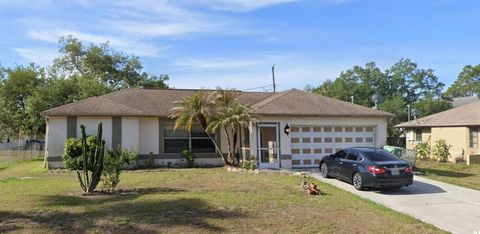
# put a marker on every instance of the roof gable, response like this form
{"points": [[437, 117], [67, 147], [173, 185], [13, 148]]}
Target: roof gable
{"points": [[300, 103]]}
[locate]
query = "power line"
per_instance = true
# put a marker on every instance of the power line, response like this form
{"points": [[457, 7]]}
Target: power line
{"points": [[260, 87]]}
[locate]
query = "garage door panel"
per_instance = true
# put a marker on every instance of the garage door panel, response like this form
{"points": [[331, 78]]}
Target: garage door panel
{"points": [[310, 142]]}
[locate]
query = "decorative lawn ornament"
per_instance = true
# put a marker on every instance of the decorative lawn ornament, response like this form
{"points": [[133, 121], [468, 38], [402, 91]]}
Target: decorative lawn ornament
{"points": [[313, 190], [304, 184]]}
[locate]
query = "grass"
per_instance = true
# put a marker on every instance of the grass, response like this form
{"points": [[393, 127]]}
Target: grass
{"points": [[187, 200], [458, 174]]}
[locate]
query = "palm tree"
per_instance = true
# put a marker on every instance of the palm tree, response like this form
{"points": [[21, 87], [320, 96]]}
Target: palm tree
{"points": [[225, 97], [196, 109], [231, 119]]}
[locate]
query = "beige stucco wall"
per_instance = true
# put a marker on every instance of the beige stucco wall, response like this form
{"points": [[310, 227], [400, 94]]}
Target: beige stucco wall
{"points": [[457, 137], [91, 126], [426, 137], [56, 134], [130, 130], [148, 136]]}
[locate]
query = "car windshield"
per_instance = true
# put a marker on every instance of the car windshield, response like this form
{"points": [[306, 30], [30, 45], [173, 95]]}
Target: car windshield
{"points": [[380, 156]]}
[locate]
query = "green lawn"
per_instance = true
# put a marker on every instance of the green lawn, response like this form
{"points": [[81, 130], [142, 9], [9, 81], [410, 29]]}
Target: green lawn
{"points": [[459, 174], [187, 200]]}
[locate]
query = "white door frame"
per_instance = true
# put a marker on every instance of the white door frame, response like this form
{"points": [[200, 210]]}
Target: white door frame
{"points": [[272, 165]]}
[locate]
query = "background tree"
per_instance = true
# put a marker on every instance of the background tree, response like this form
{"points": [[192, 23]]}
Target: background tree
{"points": [[17, 86], [81, 71], [402, 84], [113, 69], [467, 83]]}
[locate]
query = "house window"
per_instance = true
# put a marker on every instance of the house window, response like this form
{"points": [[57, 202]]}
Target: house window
{"points": [[473, 136], [197, 140], [418, 135]]}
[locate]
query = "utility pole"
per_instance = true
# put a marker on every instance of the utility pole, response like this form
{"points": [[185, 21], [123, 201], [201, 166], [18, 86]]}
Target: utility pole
{"points": [[273, 78], [408, 112]]}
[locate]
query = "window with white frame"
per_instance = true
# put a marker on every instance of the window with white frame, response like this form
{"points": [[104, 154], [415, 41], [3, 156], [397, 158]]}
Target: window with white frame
{"points": [[196, 139], [473, 136]]}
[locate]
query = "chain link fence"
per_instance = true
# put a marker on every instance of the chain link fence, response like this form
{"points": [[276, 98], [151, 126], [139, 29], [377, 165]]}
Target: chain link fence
{"points": [[21, 151]]}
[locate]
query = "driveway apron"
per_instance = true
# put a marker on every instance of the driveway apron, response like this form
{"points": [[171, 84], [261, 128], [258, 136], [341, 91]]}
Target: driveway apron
{"points": [[449, 207]]}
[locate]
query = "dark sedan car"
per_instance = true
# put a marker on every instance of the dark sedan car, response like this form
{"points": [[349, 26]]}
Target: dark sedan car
{"points": [[367, 168]]}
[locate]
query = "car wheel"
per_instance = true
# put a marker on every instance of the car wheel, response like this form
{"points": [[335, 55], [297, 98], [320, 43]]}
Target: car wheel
{"points": [[324, 170], [357, 181]]}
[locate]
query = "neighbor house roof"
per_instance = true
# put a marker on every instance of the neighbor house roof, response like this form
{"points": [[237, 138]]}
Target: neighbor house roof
{"points": [[159, 102], [466, 115], [460, 101]]}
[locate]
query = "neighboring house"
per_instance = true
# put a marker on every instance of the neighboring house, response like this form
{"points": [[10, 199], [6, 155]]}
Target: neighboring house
{"points": [[295, 128], [461, 101], [458, 126]]}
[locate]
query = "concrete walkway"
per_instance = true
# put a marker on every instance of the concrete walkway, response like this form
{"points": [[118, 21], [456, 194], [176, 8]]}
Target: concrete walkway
{"points": [[449, 207]]}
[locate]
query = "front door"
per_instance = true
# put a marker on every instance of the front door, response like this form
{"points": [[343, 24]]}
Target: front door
{"points": [[268, 148]]}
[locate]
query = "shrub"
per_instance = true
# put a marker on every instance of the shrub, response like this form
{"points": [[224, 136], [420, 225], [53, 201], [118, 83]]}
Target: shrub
{"points": [[249, 165], [72, 155], [423, 150], [150, 161], [189, 157], [115, 160], [441, 150]]}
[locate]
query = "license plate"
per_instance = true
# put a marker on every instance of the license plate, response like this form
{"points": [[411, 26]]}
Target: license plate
{"points": [[395, 172]]}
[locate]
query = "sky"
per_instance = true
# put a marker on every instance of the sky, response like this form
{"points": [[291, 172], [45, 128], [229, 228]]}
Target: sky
{"points": [[234, 43]]}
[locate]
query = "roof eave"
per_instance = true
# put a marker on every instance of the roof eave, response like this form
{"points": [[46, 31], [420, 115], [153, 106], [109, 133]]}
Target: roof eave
{"points": [[438, 125], [321, 115]]}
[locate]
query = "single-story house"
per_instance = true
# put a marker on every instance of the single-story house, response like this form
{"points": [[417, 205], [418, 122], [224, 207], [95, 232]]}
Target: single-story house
{"points": [[293, 128], [459, 127]]}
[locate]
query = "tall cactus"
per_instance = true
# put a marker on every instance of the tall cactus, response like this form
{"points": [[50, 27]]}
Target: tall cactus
{"points": [[92, 161]]}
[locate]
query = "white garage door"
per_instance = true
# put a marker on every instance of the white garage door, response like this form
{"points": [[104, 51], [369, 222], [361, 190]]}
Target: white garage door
{"points": [[310, 143]]}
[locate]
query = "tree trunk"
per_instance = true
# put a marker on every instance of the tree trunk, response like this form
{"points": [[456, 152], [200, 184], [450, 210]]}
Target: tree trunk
{"points": [[228, 146], [203, 123], [218, 149], [235, 139]]}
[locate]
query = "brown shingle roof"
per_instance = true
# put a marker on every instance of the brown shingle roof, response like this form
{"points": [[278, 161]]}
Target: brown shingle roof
{"points": [[159, 102], [467, 115], [137, 102], [295, 102]]}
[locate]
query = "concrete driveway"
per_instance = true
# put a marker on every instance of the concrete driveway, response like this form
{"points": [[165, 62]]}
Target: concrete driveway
{"points": [[449, 207]]}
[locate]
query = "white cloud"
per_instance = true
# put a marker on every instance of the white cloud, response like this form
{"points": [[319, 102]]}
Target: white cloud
{"points": [[162, 29], [38, 55], [134, 26], [35, 4], [241, 5], [128, 45], [165, 19]]}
